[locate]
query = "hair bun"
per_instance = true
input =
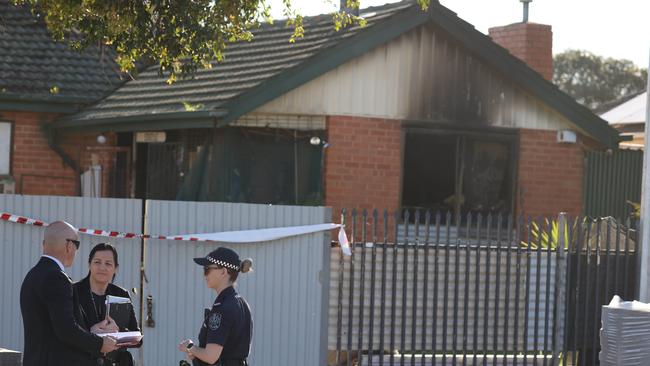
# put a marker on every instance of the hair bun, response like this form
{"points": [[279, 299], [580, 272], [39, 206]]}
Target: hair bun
{"points": [[246, 265]]}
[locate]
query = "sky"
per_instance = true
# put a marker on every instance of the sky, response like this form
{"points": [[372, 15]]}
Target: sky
{"points": [[611, 28]]}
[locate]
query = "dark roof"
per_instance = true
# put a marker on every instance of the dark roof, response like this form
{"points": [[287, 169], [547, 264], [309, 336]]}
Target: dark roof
{"points": [[257, 72], [34, 69], [246, 65]]}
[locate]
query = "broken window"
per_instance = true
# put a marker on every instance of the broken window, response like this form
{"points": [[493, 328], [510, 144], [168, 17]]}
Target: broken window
{"points": [[255, 165], [459, 172]]}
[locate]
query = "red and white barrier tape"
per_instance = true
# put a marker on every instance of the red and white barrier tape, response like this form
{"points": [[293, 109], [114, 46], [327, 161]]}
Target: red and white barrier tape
{"points": [[21, 220], [4, 216], [230, 237]]}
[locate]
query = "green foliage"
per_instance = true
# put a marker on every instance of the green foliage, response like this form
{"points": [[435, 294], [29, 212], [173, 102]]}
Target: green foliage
{"points": [[636, 209], [180, 35], [189, 107], [344, 19], [547, 235], [594, 80]]}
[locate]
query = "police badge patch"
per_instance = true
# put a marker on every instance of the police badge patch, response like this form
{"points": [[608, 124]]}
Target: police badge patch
{"points": [[215, 321]]}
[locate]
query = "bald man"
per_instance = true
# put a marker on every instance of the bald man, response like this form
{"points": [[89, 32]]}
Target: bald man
{"points": [[52, 335]]}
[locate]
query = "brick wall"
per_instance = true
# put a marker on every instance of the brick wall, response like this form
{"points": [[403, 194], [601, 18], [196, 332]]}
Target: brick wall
{"points": [[550, 174], [36, 168], [362, 164], [363, 168], [531, 43]]}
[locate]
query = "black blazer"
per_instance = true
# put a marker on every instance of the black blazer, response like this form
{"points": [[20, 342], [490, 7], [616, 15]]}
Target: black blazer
{"points": [[88, 313], [52, 334]]}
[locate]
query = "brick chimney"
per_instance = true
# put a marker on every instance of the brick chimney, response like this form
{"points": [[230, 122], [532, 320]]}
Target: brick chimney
{"points": [[530, 42]]}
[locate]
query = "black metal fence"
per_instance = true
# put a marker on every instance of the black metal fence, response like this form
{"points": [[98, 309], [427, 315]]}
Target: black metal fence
{"points": [[420, 290]]}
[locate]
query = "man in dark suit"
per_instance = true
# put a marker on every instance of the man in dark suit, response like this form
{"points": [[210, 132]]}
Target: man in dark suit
{"points": [[52, 335]]}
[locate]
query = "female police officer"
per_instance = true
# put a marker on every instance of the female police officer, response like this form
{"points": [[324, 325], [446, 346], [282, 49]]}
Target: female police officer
{"points": [[225, 336]]}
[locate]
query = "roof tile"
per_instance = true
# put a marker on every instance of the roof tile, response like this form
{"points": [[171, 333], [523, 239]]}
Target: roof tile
{"points": [[31, 63], [245, 65]]}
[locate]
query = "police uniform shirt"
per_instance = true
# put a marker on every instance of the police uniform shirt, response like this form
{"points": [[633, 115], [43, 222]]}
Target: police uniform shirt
{"points": [[228, 324]]}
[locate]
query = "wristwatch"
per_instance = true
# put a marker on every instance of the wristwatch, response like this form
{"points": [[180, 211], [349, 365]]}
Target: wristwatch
{"points": [[189, 345]]}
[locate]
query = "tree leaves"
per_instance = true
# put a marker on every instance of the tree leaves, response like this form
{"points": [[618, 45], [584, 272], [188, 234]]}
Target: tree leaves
{"points": [[594, 80], [180, 35]]}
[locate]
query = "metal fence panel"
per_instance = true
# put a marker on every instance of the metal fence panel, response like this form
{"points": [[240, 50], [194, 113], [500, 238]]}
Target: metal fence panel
{"points": [[487, 279], [488, 293], [610, 180], [21, 246], [285, 290]]}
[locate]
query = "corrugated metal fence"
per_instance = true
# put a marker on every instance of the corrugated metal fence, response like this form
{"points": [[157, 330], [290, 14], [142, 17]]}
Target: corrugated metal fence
{"points": [[21, 246], [610, 180], [286, 291]]}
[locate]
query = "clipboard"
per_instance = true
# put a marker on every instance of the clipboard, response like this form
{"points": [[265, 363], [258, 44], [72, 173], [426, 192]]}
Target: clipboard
{"points": [[119, 309]]}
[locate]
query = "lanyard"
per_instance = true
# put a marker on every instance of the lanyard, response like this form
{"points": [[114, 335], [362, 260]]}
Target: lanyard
{"points": [[95, 308]]}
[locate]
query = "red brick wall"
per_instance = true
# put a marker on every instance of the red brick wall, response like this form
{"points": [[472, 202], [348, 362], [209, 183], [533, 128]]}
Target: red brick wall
{"points": [[550, 174], [531, 43], [362, 164], [36, 168], [363, 168]]}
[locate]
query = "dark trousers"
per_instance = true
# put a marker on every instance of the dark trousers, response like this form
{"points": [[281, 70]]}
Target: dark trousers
{"points": [[120, 358]]}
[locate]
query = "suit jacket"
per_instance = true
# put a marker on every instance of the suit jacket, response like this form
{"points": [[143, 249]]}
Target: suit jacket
{"points": [[52, 334]]}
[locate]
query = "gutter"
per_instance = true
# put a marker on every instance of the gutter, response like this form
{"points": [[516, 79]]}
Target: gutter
{"points": [[53, 98], [41, 103], [122, 123]]}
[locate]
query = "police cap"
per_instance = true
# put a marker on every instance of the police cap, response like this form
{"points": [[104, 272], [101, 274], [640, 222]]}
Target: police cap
{"points": [[222, 256]]}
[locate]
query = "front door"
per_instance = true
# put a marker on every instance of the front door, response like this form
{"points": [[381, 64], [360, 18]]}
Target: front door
{"points": [[160, 170]]}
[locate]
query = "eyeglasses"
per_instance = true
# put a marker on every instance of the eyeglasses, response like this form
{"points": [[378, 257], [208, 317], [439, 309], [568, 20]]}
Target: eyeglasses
{"points": [[76, 243], [207, 269]]}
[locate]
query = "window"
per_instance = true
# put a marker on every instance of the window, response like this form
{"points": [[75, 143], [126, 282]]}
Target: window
{"points": [[458, 171], [5, 148], [233, 164]]}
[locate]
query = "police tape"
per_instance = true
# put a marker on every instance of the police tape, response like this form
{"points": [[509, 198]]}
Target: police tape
{"points": [[4, 216], [241, 236]]}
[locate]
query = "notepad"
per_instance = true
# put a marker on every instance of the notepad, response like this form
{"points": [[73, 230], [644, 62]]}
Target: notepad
{"points": [[124, 337]]}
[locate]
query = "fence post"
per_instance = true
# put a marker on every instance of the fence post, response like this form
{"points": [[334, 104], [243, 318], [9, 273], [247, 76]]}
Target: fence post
{"points": [[644, 249], [325, 280], [560, 287]]}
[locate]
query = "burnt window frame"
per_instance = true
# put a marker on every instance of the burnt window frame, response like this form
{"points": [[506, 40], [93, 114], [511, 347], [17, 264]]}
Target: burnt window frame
{"points": [[484, 133]]}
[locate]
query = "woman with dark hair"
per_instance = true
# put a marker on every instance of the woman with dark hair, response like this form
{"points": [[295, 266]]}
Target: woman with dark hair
{"points": [[227, 330], [91, 295]]}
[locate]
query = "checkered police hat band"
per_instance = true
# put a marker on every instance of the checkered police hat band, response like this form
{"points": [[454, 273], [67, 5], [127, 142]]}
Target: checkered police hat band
{"points": [[222, 263]]}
